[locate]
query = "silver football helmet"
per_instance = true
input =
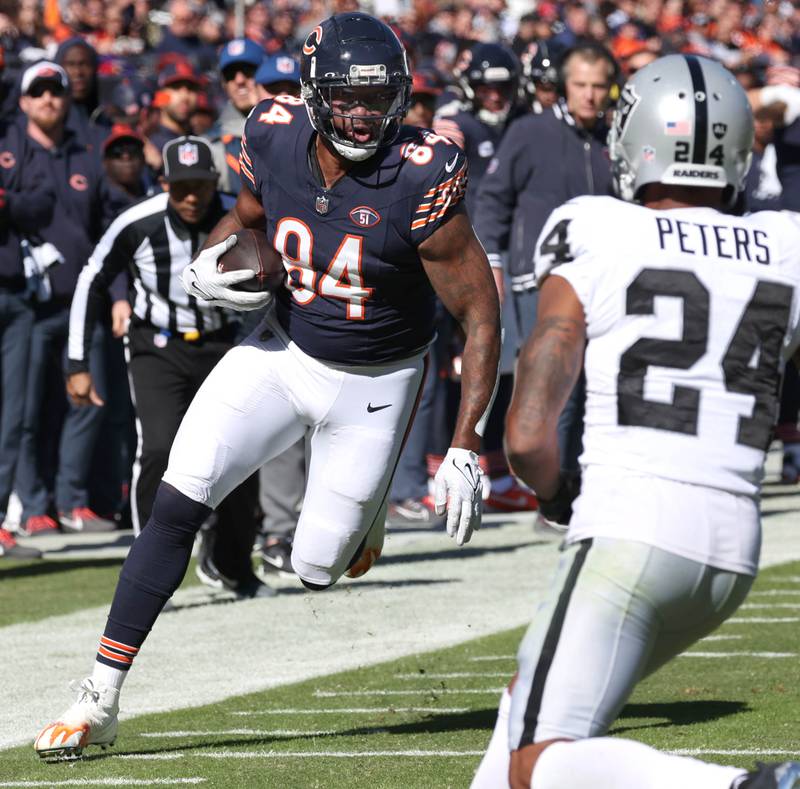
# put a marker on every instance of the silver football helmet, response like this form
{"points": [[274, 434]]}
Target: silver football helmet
{"points": [[681, 120]]}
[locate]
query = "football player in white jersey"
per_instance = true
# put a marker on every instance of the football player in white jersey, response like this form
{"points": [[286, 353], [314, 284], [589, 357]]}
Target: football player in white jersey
{"points": [[681, 315]]}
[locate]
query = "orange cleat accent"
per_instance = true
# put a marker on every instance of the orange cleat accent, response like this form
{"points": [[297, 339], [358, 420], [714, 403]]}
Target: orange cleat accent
{"points": [[368, 557]]}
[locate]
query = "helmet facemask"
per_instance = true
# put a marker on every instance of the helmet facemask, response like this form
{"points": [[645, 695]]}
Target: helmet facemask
{"points": [[359, 113], [507, 87]]}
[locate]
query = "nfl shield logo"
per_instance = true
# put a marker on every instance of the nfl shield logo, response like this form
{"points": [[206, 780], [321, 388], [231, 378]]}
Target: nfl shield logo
{"points": [[284, 65], [188, 154], [322, 204]]}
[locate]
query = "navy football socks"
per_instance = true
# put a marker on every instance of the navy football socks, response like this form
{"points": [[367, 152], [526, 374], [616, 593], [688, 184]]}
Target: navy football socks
{"points": [[153, 570]]}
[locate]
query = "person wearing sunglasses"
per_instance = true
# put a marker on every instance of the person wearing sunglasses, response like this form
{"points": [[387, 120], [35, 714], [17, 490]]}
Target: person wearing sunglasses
{"points": [[81, 208], [238, 62]]}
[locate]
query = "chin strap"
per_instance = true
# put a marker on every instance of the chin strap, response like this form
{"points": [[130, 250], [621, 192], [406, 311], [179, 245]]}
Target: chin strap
{"points": [[352, 153]]}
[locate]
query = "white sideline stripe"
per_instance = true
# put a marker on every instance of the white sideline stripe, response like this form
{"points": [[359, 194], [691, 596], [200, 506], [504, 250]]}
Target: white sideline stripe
{"points": [[152, 757], [108, 782], [721, 752], [754, 606], [358, 710], [328, 754], [721, 638], [493, 657], [774, 592], [332, 694], [741, 620], [454, 675], [255, 732], [738, 654]]}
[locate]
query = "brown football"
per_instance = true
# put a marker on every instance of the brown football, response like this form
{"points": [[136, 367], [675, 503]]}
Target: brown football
{"points": [[254, 252]]}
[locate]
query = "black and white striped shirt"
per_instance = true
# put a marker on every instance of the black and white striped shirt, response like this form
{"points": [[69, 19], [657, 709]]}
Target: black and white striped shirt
{"points": [[151, 241]]}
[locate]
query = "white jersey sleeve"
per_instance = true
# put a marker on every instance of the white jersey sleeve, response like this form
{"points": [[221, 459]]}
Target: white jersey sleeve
{"points": [[561, 239]]}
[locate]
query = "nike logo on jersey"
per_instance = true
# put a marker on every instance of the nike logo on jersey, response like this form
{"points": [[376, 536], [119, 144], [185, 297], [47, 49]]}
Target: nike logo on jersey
{"points": [[451, 164], [373, 408]]}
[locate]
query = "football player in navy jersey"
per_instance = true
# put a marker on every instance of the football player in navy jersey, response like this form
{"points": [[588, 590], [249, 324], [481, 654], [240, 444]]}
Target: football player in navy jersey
{"points": [[368, 217]]}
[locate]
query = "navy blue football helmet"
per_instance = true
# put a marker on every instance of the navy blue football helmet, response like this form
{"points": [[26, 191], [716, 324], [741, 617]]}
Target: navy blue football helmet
{"points": [[538, 70], [355, 82], [489, 64]]}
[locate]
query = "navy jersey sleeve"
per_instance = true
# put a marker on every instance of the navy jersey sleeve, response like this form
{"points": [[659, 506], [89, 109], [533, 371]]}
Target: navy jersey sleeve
{"points": [[247, 168], [440, 172], [266, 120]]}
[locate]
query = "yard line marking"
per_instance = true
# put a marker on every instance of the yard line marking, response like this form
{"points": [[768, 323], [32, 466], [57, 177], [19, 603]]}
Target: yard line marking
{"points": [[753, 606], [356, 711], [254, 732], [108, 782], [721, 638], [493, 657], [721, 752], [332, 694], [758, 620], [738, 654], [789, 579], [155, 757], [454, 675], [328, 754], [774, 592]]}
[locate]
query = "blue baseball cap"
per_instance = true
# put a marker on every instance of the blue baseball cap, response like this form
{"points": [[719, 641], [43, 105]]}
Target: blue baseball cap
{"points": [[278, 68], [241, 50]]}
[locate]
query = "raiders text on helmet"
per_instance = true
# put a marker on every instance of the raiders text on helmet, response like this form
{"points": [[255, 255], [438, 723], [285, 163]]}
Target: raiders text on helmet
{"points": [[681, 120]]}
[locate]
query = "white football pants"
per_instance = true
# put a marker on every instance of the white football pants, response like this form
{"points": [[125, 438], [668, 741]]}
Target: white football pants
{"points": [[264, 396], [616, 611]]}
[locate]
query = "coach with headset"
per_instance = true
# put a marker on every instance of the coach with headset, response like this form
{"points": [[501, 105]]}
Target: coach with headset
{"points": [[543, 161]]}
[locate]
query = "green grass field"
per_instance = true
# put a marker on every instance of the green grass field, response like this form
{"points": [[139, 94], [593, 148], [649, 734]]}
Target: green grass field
{"points": [[423, 721]]}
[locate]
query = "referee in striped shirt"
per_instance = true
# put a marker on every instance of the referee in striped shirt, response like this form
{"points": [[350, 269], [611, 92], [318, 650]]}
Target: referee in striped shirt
{"points": [[173, 342]]}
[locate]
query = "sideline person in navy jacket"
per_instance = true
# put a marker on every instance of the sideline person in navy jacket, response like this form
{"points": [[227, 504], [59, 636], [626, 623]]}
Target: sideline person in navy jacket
{"points": [[60, 249], [25, 203]]}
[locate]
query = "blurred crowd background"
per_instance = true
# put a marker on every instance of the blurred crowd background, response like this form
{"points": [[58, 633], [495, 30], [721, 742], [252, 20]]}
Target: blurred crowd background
{"points": [[139, 73], [134, 39]]}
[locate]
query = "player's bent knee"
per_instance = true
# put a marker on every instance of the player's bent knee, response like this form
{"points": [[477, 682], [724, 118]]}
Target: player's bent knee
{"points": [[523, 761], [314, 576]]}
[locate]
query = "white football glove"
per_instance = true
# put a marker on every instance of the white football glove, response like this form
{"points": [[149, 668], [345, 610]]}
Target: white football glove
{"points": [[203, 280], [458, 491]]}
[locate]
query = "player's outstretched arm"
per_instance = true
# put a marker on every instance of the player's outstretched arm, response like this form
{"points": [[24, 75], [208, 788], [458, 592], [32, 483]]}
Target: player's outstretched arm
{"points": [[547, 370], [457, 267]]}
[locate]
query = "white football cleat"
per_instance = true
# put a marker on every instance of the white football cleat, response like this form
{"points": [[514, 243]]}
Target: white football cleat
{"points": [[91, 720], [373, 545]]}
